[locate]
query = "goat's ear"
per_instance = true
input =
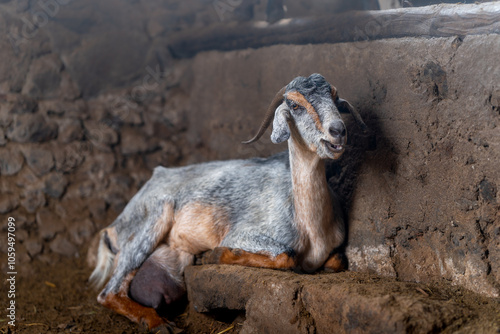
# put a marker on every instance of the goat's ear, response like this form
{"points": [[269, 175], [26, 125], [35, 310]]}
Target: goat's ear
{"points": [[346, 108], [343, 106], [281, 131]]}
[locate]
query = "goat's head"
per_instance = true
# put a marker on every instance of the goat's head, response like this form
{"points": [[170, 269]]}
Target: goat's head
{"points": [[309, 109]]}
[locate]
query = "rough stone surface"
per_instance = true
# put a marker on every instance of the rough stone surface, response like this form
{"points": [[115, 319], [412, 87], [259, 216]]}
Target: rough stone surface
{"points": [[284, 302], [61, 245], [31, 128], [49, 224], [70, 130], [133, 142], [101, 135], [40, 160], [34, 246], [11, 161], [3, 140], [55, 185], [32, 199], [8, 202]]}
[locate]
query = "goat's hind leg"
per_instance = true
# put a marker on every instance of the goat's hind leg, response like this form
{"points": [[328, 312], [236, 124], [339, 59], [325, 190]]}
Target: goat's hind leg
{"points": [[122, 304], [159, 282], [134, 252]]}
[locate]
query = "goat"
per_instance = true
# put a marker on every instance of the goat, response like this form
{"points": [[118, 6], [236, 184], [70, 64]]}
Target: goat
{"points": [[275, 212]]}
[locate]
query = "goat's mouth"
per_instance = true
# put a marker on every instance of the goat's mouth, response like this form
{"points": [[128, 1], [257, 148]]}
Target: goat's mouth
{"points": [[332, 149]]}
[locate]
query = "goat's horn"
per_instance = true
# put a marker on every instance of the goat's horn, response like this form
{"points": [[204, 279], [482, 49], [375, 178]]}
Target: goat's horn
{"points": [[278, 99]]}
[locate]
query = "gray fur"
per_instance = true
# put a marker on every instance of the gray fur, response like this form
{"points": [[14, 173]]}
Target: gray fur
{"points": [[256, 194]]}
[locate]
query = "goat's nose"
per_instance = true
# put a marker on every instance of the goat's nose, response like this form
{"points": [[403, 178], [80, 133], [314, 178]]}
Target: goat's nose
{"points": [[337, 129]]}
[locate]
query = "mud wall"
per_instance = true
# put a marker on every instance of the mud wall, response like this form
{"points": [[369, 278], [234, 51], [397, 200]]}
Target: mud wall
{"points": [[422, 197], [84, 118]]}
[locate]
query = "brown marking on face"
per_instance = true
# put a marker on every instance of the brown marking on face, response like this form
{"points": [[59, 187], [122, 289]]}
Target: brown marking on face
{"points": [[122, 304], [199, 227], [164, 224], [301, 100], [259, 260]]}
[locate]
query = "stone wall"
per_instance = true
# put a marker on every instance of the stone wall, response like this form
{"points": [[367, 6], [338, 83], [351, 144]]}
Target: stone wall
{"points": [[91, 103]]}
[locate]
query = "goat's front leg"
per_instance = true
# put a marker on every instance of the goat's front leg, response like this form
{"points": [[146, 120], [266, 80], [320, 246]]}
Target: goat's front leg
{"points": [[122, 304], [225, 255], [336, 262]]}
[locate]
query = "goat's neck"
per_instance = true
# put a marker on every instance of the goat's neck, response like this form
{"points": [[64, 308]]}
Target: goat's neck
{"points": [[312, 200]]}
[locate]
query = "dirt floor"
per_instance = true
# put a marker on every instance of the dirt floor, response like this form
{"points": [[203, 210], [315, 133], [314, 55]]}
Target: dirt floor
{"points": [[57, 299]]}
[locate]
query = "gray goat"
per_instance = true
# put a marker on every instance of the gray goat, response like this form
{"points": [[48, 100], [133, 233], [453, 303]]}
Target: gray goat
{"points": [[277, 212]]}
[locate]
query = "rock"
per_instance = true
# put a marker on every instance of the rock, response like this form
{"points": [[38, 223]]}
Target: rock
{"points": [[71, 156], [23, 221], [39, 160], [101, 135], [8, 202], [168, 155], [22, 256], [133, 141], [27, 179], [99, 163], [70, 129], [34, 246], [32, 200], [55, 185], [115, 200], [72, 207], [81, 189], [3, 140], [81, 231], [285, 302], [51, 107], [61, 245], [20, 104], [124, 110], [97, 208], [488, 191], [69, 89], [31, 128], [21, 235], [44, 78], [11, 161], [73, 110], [49, 224], [6, 118]]}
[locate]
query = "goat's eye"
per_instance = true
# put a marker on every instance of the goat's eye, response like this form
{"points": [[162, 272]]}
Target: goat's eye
{"points": [[294, 105]]}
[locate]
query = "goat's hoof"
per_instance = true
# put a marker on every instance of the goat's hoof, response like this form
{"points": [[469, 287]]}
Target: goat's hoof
{"points": [[212, 256], [336, 263]]}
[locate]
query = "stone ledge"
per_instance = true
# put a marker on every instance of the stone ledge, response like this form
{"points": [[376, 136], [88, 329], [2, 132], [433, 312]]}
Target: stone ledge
{"points": [[445, 20], [284, 302]]}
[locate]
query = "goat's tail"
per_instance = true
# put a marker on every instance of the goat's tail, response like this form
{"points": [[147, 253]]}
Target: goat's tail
{"points": [[104, 262]]}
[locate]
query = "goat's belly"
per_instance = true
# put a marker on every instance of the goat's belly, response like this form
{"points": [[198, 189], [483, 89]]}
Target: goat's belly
{"points": [[198, 227]]}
